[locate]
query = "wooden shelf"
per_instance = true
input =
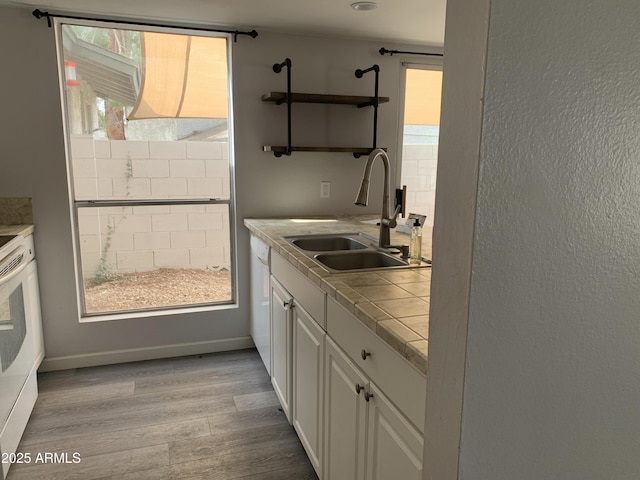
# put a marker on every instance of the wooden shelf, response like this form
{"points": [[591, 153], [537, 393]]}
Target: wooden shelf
{"points": [[288, 98], [355, 150], [281, 97]]}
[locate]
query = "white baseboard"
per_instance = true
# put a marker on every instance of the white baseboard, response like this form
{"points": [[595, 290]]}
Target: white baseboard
{"points": [[148, 353]]}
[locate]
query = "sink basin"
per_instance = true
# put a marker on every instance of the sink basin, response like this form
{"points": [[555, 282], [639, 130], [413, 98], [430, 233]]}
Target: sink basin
{"points": [[346, 252], [358, 260], [327, 243]]}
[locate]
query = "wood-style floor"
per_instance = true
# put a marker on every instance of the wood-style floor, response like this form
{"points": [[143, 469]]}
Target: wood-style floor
{"points": [[208, 417]]}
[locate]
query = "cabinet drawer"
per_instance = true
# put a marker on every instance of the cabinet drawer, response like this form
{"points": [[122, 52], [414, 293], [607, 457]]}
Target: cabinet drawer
{"points": [[405, 386], [300, 287]]}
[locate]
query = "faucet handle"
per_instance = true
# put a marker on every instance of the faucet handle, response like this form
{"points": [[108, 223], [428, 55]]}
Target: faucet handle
{"points": [[395, 215], [392, 222]]}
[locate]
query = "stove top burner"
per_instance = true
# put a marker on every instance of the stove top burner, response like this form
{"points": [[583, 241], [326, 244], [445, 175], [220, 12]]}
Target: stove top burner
{"points": [[4, 239]]}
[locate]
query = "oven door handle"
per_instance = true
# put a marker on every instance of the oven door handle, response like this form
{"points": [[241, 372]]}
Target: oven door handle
{"points": [[14, 273]]}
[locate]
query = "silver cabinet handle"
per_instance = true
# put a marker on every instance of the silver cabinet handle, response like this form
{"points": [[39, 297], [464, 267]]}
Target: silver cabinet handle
{"points": [[368, 396], [359, 388], [364, 354]]}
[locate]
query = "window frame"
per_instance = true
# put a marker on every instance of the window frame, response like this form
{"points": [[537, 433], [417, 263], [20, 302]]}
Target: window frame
{"points": [[427, 64], [432, 64], [76, 205]]}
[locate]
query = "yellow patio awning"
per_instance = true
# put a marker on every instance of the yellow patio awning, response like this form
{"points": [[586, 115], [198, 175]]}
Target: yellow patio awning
{"points": [[183, 76], [422, 97]]}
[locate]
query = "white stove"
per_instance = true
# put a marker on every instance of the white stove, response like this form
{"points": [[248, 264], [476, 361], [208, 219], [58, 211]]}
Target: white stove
{"points": [[21, 346], [7, 244]]}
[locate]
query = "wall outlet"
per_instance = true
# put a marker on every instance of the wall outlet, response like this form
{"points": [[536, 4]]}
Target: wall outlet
{"points": [[325, 189]]}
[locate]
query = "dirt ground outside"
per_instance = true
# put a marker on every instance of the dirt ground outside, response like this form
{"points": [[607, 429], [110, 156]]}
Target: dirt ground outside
{"points": [[165, 287]]}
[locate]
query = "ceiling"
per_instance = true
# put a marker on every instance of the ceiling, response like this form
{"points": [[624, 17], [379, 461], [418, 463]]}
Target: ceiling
{"points": [[418, 22]]}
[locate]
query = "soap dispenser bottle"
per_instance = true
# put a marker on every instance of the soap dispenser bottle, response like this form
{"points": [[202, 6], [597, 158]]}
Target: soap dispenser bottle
{"points": [[415, 246]]}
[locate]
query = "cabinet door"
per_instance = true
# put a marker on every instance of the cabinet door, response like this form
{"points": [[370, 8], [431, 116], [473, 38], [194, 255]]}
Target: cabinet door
{"points": [[308, 368], [345, 417], [281, 303], [394, 446]]}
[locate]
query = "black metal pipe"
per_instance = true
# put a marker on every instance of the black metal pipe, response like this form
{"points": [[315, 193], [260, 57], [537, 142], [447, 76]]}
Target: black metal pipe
{"points": [[383, 50], [288, 151], [360, 73], [277, 67], [40, 14], [375, 109], [375, 102]]}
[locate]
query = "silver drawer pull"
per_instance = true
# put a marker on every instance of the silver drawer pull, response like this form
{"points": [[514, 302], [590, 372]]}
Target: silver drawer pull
{"points": [[359, 388], [364, 354], [368, 396]]}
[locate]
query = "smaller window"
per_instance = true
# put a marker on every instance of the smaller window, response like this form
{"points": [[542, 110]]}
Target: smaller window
{"points": [[421, 129]]}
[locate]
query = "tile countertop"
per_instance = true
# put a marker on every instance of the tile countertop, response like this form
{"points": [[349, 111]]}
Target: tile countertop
{"points": [[392, 303], [24, 230]]}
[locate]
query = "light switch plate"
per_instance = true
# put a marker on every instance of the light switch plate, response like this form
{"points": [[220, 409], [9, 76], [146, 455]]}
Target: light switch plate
{"points": [[325, 189]]}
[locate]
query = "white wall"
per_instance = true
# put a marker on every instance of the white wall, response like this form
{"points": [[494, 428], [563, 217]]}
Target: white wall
{"points": [[291, 185], [33, 164], [455, 215], [551, 386]]}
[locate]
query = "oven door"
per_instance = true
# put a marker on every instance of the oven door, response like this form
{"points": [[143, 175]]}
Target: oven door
{"points": [[15, 358]]}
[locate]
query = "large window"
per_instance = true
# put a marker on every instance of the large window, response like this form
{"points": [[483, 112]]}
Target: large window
{"points": [[421, 129], [149, 167]]}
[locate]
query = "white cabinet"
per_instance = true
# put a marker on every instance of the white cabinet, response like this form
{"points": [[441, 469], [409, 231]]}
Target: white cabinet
{"points": [[394, 447], [300, 288], [400, 381], [308, 380], [281, 332], [345, 416], [366, 436], [299, 303], [357, 406]]}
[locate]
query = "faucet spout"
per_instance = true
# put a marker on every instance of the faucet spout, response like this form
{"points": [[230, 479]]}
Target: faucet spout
{"points": [[386, 222]]}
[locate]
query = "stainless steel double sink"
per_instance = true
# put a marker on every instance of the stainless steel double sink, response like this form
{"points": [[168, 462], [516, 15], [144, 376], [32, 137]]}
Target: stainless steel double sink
{"points": [[346, 252]]}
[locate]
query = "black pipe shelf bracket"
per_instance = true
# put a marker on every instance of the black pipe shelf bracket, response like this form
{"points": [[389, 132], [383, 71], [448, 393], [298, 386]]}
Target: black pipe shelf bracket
{"points": [[290, 97], [277, 67], [40, 14], [374, 103]]}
